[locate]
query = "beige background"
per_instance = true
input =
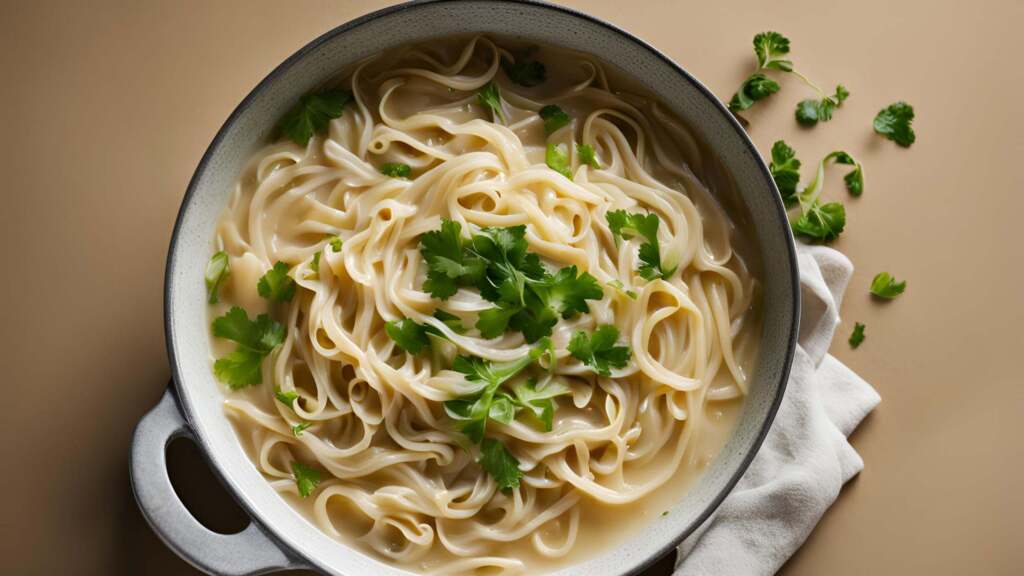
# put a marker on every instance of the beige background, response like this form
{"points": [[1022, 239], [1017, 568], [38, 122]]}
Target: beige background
{"points": [[106, 110]]}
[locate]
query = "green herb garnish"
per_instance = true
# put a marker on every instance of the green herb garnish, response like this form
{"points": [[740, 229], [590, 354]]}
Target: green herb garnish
{"points": [[810, 111], [216, 271], [500, 464], [312, 113], [256, 339], [893, 122], [557, 159], [276, 285], [449, 263], [306, 478], [299, 428], [335, 243], [554, 118], [525, 71], [625, 225], [450, 320], [756, 87], [857, 336], [287, 398], [785, 169], [588, 156], [540, 400], [817, 220], [618, 285], [396, 170], [472, 411], [490, 97], [598, 350], [408, 335], [885, 286]]}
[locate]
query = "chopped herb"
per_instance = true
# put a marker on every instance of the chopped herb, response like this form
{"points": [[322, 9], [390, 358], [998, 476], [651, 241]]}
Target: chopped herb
{"points": [[810, 111], [769, 46], [588, 156], [540, 400], [626, 225], [893, 122], [558, 160], [554, 118], [599, 350], [821, 221], [306, 478], [857, 336], [312, 113], [315, 264], [449, 265], [216, 271], [500, 464], [785, 169], [525, 71], [408, 335], [256, 339], [396, 170], [855, 178], [299, 428], [335, 243], [617, 284], [885, 286], [472, 411], [756, 87], [450, 320], [287, 398], [817, 220], [490, 97], [276, 285]]}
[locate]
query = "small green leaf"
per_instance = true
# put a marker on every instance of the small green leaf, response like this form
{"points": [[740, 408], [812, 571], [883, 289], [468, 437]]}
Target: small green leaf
{"points": [[857, 336], [396, 170], [885, 286], [256, 339], [408, 335], [554, 118], [450, 320], [287, 398], [894, 121], [588, 156], [306, 478], [756, 87], [558, 160], [769, 46], [335, 243], [276, 285], [299, 428], [496, 459], [822, 222], [312, 113], [216, 271], [490, 97], [785, 169], [598, 350]]}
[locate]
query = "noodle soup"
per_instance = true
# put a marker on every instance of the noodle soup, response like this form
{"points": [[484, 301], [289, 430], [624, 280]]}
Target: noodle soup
{"points": [[478, 309]]}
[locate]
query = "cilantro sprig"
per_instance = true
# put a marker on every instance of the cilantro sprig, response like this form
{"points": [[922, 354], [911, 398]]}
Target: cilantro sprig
{"points": [[893, 122], [497, 461], [554, 118], [276, 285], [810, 111], [857, 336], [558, 159], [817, 220], [490, 97], [312, 113], [886, 287], [627, 225], [599, 350], [785, 169], [306, 478], [216, 271], [588, 156], [256, 339]]}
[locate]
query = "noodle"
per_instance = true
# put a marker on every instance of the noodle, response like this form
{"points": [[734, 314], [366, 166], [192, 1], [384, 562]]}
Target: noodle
{"points": [[399, 479]]}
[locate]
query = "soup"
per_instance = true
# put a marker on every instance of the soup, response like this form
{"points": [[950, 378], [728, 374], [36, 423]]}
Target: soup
{"points": [[478, 308]]}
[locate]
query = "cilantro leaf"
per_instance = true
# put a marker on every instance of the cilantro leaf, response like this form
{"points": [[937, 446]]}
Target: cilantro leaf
{"points": [[493, 322], [287, 398], [626, 226], [854, 179], [306, 478], [472, 411], [525, 71], [809, 112], [588, 156], [450, 320], [335, 243], [312, 113], [598, 350], [554, 118], [500, 464], [893, 122], [408, 335], [216, 271], [276, 285], [769, 46], [857, 336], [299, 428], [756, 87], [821, 221], [785, 169], [448, 265], [885, 286], [396, 170], [558, 160], [256, 339], [567, 293], [490, 97], [540, 401]]}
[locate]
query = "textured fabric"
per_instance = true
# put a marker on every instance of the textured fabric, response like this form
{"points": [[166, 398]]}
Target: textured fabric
{"points": [[806, 458]]}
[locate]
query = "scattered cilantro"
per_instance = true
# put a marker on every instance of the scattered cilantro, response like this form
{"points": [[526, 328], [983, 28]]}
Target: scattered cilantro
{"points": [[216, 271], [306, 478], [885, 286], [335, 243], [821, 221], [769, 46], [539, 400], [588, 156], [287, 398], [396, 170], [490, 97], [625, 225], [472, 411], [525, 71], [855, 178], [599, 350], [810, 111], [756, 87], [312, 113], [500, 464], [256, 339], [276, 285], [558, 160], [785, 169], [893, 122], [617, 284], [450, 320], [315, 264], [299, 428], [857, 336], [554, 118], [448, 263], [408, 335]]}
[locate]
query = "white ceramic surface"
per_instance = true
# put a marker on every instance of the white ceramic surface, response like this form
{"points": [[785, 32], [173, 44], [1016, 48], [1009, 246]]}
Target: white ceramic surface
{"points": [[279, 536]]}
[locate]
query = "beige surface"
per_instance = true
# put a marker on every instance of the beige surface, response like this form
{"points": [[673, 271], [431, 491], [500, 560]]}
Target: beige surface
{"points": [[108, 109]]}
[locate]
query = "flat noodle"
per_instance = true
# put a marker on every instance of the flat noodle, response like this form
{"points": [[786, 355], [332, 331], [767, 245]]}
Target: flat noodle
{"points": [[399, 481]]}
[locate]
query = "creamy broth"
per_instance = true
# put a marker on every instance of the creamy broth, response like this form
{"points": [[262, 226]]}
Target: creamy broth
{"points": [[398, 476]]}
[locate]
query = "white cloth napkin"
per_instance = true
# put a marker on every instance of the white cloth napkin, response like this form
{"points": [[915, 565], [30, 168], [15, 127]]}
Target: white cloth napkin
{"points": [[806, 458]]}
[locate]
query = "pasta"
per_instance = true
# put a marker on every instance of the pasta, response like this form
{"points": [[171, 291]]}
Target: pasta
{"points": [[394, 470]]}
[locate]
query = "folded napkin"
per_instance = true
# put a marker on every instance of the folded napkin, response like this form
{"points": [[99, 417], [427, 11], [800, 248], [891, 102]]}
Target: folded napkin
{"points": [[806, 458]]}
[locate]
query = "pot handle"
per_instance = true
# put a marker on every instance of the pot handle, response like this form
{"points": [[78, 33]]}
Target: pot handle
{"points": [[248, 552]]}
